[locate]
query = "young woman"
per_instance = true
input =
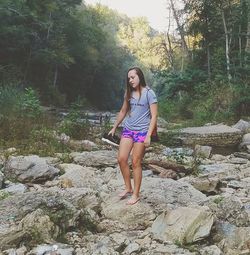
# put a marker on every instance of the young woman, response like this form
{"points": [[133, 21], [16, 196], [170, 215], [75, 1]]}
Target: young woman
{"points": [[139, 110]]}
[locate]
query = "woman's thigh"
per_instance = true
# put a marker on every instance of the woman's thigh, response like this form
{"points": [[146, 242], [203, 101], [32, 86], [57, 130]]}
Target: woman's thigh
{"points": [[125, 148], [138, 152]]}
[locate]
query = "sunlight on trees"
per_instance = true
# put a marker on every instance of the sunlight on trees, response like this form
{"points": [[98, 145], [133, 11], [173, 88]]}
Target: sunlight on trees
{"points": [[66, 50]]}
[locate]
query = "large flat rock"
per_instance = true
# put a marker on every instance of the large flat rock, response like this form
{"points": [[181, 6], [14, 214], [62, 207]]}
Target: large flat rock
{"points": [[217, 135], [213, 129]]}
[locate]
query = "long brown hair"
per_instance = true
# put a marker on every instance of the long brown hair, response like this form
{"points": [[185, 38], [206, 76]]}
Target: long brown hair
{"points": [[142, 83]]}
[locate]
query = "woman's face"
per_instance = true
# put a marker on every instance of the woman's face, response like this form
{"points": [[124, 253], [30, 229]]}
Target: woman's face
{"points": [[133, 79]]}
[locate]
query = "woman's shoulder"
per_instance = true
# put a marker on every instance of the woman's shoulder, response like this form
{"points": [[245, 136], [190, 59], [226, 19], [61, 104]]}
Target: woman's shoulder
{"points": [[149, 90]]}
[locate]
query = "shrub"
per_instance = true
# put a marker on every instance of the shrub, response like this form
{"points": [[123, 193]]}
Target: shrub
{"points": [[10, 97], [75, 124], [15, 102], [29, 104], [44, 143]]}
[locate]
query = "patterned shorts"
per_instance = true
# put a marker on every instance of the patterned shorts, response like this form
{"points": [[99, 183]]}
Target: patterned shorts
{"points": [[136, 136]]}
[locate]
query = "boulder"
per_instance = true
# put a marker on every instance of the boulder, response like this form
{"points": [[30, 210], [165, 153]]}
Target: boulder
{"points": [[31, 169], [138, 216], [184, 225], [101, 158], [242, 125], [214, 135]]}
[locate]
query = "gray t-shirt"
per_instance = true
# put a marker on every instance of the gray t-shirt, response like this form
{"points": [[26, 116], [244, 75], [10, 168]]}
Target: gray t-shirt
{"points": [[139, 117]]}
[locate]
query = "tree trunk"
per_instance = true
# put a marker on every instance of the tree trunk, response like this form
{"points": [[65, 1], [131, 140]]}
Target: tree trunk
{"points": [[169, 53], [207, 42], [180, 28], [55, 76], [49, 27], [240, 47], [248, 37], [208, 62], [27, 66], [182, 59], [227, 45]]}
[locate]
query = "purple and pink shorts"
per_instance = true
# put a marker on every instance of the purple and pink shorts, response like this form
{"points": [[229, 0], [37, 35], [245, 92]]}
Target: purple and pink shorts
{"points": [[136, 136]]}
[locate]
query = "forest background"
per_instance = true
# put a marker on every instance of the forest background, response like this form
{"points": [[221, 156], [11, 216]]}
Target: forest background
{"points": [[64, 53]]}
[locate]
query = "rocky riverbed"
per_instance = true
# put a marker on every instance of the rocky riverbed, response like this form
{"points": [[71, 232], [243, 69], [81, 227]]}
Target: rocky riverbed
{"points": [[192, 202]]}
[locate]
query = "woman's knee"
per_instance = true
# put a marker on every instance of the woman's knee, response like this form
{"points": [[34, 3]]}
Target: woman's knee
{"points": [[136, 162], [122, 160]]}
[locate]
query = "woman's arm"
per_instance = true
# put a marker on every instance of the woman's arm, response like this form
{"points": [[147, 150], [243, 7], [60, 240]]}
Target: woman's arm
{"points": [[153, 121], [120, 117]]}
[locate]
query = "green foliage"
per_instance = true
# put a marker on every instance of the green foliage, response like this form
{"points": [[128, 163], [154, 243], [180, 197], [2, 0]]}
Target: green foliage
{"points": [[43, 142], [178, 157], [184, 245], [189, 81], [86, 223], [3, 195], [9, 100], [170, 138], [19, 103], [75, 124], [66, 49], [184, 96], [79, 129], [14, 129], [52, 94], [201, 88], [168, 109], [23, 125], [30, 136], [65, 158], [178, 243], [218, 200], [195, 166], [20, 114], [30, 105]]}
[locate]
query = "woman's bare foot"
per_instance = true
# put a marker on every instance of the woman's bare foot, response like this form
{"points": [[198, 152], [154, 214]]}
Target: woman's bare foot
{"points": [[124, 194], [133, 200]]}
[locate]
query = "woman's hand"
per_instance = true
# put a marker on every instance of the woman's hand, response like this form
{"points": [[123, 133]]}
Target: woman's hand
{"points": [[147, 141], [112, 131]]}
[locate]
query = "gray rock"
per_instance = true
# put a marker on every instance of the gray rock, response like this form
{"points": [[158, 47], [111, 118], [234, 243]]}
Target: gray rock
{"points": [[1, 179], [81, 177], [238, 161], [231, 209], [203, 183], [233, 240], [38, 225], [218, 135], [131, 248], [219, 168], [147, 173], [15, 188], [185, 225], [100, 158], [178, 151], [202, 151], [66, 206], [242, 125], [211, 250], [161, 193], [235, 184], [138, 216], [29, 169], [55, 249]]}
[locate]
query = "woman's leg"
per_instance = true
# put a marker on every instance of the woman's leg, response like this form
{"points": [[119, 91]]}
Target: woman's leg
{"points": [[137, 156], [125, 147]]}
